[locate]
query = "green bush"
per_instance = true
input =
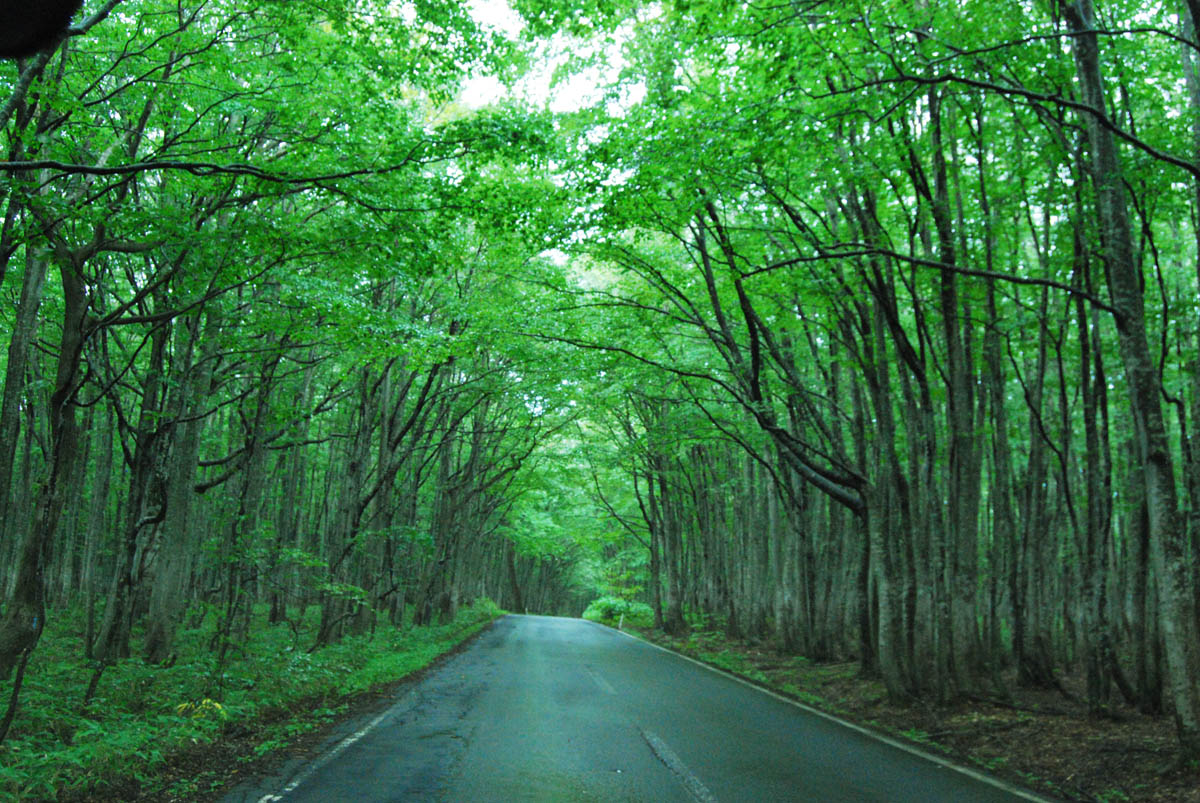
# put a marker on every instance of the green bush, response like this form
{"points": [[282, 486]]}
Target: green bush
{"points": [[609, 610], [483, 609]]}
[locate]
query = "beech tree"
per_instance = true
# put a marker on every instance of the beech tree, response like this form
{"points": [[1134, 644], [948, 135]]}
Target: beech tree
{"points": [[934, 273], [858, 330], [252, 352]]}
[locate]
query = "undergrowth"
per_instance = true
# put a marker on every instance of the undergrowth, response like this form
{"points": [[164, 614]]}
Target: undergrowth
{"points": [[619, 612], [140, 715]]}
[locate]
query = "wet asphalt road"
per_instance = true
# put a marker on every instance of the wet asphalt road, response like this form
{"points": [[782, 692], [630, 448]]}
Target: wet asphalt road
{"points": [[548, 709]]}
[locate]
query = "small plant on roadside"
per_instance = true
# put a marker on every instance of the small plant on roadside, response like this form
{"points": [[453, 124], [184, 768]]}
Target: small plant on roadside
{"points": [[991, 763], [917, 735], [1112, 796], [205, 709], [807, 697]]}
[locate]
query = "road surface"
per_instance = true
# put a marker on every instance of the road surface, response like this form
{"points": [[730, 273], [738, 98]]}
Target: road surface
{"points": [[549, 709]]}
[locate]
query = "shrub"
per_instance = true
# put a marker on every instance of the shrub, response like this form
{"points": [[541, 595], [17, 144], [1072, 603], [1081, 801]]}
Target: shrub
{"points": [[609, 610], [483, 609]]}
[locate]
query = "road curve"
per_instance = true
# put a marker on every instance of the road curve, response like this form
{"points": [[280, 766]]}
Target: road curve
{"points": [[549, 709]]}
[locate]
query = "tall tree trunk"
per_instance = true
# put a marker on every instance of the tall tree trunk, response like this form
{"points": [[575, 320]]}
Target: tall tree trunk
{"points": [[963, 487], [145, 505], [177, 533], [20, 341], [1147, 644], [25, 614], [888, 524], [1098, 487], [1169, 548]]}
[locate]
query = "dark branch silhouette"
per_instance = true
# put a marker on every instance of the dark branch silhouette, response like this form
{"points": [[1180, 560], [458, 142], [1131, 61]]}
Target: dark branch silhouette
{"points": [[29, 26]]}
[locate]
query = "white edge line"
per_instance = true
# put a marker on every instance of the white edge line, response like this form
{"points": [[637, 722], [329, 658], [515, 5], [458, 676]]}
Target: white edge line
{"points": [[1024, 794], [311, 768]]}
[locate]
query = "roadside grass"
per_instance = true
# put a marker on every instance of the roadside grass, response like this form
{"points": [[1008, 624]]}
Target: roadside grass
{"points": [[794, 675], [134, 738]]}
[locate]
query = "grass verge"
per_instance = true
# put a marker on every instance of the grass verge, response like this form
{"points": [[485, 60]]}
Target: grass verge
{"points": [[171, 732]]}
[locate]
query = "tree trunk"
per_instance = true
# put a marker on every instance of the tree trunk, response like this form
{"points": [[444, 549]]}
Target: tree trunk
{"points": [[25, 613], [1169, 549], [178, 540], [20, 340], [963, 484]]}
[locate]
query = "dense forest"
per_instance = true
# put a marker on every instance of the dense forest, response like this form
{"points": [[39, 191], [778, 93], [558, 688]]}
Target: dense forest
{"points": [[869, 329]]}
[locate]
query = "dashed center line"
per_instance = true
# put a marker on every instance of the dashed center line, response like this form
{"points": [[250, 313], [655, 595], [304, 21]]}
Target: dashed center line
{"points": [[604, 685], [674, 763]]}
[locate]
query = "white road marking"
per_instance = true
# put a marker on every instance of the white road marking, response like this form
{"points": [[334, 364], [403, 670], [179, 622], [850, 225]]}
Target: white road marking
{"points": [[325, 759], [604, 685], [674, 763], [1017, 791]]}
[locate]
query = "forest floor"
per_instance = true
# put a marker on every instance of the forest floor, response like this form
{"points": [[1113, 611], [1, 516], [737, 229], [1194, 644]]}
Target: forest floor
{"points": [[168, 733], [1042, 740], [207, 773]]}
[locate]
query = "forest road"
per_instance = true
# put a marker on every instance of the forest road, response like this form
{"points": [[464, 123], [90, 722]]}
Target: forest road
{"points": [[548, 709]]}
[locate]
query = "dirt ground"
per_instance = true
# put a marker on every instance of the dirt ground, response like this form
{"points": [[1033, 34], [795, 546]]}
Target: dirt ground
{"points": [[1042, 740]]}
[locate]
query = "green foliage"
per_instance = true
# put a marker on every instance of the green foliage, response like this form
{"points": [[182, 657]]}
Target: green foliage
{"points": [[732, 661], [204, 709], [807, 697], [426, 265], [993, 763], [615, 610], [142, 714], [917, 735]]}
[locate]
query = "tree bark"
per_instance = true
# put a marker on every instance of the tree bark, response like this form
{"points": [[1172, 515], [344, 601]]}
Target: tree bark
{"points": [[25, 614], [1169, 549]]}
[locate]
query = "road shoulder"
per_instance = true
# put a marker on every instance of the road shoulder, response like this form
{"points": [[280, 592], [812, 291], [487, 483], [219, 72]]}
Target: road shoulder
{"points": [[927, 750]]}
